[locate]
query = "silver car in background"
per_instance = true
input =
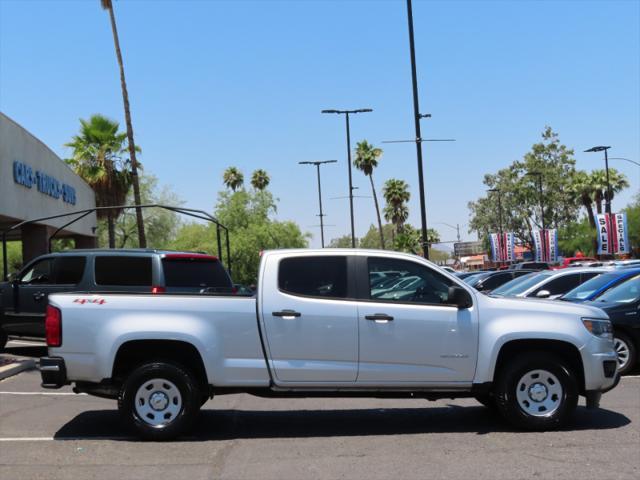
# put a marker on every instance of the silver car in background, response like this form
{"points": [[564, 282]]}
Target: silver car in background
{"points": [[550, 284]]}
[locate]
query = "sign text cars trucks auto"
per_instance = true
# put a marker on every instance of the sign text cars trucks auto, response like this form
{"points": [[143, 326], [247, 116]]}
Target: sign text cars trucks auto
{"points": [[315, 329]]}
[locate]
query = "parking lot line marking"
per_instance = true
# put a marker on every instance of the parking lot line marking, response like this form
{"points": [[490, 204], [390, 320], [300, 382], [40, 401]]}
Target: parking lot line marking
{"points": [[41, 393], [51, 439]]}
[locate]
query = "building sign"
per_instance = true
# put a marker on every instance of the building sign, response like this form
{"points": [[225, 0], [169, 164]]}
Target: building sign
{"points": [[545, 244], [24, 175], [613, 236], [465, 249]]}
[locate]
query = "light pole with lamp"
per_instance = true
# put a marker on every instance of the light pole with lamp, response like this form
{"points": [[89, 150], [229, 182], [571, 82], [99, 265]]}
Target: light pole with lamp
{"points": [[543, 239], [606, 164], [497, 190], [346, 113], [321, 215]]}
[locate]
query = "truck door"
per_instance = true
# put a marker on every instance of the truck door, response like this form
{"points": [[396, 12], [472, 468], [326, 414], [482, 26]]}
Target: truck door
{"points": [[408, 330], [309, 318]]}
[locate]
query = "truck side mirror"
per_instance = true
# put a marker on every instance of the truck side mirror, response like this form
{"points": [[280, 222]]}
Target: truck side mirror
{"points": [[460, 297], [543, 294]]}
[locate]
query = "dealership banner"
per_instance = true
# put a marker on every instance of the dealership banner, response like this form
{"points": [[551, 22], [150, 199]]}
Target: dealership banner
{"points": [[545, 243], [503, 247], [613, 234]]}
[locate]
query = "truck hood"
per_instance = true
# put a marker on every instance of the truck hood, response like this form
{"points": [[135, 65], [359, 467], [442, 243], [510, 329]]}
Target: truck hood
{"points": [[538, 306]]}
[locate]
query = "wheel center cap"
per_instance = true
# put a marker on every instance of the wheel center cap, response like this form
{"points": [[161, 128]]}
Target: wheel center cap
{"points": [[158, 401], [537, 392]]}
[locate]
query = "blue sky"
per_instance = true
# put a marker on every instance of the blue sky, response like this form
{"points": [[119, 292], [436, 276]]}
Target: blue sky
{"points": [[219, 83]]}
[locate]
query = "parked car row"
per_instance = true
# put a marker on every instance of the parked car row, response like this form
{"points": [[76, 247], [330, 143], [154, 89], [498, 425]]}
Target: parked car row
{"points": [[614, 288]]}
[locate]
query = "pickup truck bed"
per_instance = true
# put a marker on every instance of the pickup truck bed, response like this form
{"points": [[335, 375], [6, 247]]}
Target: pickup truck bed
{"points": [[318, 327]]}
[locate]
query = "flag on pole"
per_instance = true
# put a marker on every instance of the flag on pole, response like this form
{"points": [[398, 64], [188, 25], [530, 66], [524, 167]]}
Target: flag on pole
{"points": [[613, 235], [502, 247], [545, 243]]}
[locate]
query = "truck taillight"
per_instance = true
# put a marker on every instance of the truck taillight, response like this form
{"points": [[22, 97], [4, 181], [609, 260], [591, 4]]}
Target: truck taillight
{"points": [[53, 326], [158, 290]]}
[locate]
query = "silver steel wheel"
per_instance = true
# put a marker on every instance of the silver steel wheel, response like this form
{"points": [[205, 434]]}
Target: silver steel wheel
{"points": [[539, 393], [623, 351], [158, 402]]}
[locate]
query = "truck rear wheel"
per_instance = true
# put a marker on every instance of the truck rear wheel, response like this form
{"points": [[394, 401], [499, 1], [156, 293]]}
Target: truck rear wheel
{"points": [[160, 400], [537, 391]]}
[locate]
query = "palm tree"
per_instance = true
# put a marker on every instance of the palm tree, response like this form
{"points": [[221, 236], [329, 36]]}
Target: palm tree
{"points": [[617, 183], [396, 194], [142, 238], [233, 178], [366, 160], [260, 179], [98, 157], [582, 187]]}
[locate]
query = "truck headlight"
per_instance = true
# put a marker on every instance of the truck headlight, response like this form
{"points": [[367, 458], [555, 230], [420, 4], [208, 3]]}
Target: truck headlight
{"points": [[599, 327]]}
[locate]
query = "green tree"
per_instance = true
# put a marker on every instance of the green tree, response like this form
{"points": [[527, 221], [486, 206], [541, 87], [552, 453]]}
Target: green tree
{"points": [[633, 224], [161, 225], [99, 157], [14, 257], [142, 239], [372, 238], [577, 237], [366, 160], [520, 196], [233, 178], [345, 241], [260, 179], [248, 216]]}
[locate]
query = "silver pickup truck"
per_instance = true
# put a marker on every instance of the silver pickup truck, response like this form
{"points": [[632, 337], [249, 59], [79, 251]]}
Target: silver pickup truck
{"points": [[326, 323]]}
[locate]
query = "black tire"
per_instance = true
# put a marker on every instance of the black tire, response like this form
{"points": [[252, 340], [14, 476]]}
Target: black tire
{"points": [[487, 400], [629, 348], [557, 382], [164, 379]]}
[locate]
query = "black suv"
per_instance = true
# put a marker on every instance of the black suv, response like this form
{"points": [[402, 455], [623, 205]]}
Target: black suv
{"points": [[23, 299]]}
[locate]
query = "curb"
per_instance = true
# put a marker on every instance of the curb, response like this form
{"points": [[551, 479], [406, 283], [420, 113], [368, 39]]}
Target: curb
{"points": [[16, 367]]}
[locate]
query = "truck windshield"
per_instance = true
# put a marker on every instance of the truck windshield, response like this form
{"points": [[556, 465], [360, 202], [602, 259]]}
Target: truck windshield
{"points": [[627, 292], [203, 273], [590, 287]]}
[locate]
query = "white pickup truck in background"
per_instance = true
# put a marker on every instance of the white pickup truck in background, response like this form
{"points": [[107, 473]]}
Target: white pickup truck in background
{"points": [[319, 326]]}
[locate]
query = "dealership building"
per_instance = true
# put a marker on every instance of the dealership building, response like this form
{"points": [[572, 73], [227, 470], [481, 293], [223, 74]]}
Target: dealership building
{"points": [[36, 183]]}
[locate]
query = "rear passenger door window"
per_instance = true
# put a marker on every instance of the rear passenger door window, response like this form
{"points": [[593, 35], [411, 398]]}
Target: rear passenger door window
{"points": [[69, 270], [125, 271], [324, 277]]}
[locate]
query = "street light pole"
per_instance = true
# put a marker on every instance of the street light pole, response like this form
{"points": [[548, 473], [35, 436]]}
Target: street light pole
{"points": [[416, 118], [351, 188], [321, 215], [606, 165]]}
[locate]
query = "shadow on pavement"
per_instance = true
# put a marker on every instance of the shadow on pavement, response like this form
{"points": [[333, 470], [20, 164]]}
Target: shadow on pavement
{"points": [[237, 424]]}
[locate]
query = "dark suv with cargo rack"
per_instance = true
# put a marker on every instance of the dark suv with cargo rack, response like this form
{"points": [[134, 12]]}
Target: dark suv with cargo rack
{"points": [[23, 299]]}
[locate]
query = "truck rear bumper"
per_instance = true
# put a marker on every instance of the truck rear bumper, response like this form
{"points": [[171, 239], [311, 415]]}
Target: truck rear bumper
{"points": [[53, 372]]}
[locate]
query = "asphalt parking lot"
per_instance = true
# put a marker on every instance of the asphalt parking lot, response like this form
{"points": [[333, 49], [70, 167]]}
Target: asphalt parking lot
{"points": [[57, 434]]}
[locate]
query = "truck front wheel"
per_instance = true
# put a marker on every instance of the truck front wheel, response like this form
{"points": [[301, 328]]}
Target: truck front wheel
{"points": [[536, 391], [160, 400]]}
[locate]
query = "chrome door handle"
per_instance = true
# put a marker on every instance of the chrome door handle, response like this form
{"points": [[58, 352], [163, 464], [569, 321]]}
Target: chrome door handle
{"points": [[287, 314], [379, 317]]}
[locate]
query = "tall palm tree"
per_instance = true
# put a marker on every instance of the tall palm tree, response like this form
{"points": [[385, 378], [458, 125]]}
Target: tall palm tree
{"points": [[233, 178], [99, 153], [582, 187], [366, 160], [260, 179], [617, 183], [142, 238], [396, 195]]}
